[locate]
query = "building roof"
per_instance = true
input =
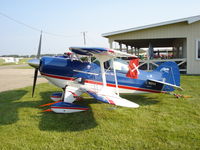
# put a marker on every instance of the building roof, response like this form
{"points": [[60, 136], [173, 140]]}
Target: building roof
{"points": [[189, 20]]}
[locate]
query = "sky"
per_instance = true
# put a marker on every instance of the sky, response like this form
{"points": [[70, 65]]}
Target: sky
{"points": [[66, 20]]}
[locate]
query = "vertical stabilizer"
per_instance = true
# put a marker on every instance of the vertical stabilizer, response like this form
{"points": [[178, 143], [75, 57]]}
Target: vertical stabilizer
{"points": [[170, 72]]}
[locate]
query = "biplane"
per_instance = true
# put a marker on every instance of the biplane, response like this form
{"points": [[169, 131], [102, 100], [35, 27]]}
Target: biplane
{"points": [[103, 74]]}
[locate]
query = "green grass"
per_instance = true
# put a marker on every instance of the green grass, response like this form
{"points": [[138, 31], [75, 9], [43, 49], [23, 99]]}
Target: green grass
{"points": [[24, 60], [161, 122], [1, 61], [24, 67], [21, 61]]}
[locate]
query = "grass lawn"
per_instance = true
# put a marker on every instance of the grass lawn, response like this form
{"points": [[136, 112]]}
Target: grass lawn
{"points": [[21, 61], [161, 122]]}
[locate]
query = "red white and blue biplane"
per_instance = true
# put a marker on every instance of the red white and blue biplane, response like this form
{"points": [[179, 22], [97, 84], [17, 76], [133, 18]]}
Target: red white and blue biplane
{"points": [[103, 78]]}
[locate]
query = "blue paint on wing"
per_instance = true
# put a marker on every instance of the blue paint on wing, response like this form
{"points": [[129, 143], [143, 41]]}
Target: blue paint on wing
{"points": [[94, 95], [88, 50]]}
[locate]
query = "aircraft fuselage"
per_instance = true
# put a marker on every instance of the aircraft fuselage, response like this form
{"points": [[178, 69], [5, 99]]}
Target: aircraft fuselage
{"points": [[63, 71]]}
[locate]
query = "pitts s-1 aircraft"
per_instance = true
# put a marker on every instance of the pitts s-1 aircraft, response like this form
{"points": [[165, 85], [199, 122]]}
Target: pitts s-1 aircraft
{"points": [[103, 78]]}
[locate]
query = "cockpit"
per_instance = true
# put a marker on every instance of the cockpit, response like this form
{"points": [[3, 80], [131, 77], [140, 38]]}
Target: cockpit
{"points": [[125, 65]]}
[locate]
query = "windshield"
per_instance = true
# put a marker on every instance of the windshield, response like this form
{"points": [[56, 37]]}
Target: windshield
{"points": [[119, 64]]}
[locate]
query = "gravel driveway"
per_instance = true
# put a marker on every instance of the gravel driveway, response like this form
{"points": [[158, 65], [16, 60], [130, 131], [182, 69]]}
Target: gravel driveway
{"points": [[12, 78]]}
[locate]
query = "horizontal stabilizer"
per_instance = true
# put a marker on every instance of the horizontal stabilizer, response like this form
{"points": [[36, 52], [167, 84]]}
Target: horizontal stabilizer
{"points": [[165, 83]]}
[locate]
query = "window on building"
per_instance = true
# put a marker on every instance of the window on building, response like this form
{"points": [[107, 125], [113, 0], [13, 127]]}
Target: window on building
{"points": [[198, 49]]}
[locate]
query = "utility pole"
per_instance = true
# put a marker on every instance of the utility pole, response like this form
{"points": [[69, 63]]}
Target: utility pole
{"points": [[84, 38]]}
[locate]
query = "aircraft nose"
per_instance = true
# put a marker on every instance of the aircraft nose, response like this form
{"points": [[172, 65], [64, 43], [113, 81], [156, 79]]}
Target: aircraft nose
{"points": [[34, 63]]}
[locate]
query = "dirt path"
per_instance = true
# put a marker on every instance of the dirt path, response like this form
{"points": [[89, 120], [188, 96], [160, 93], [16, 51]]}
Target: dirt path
{"points": [[12, 78], [12, 66]]}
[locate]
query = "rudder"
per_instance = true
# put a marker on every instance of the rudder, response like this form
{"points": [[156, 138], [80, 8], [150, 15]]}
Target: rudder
{"points": [[170, 72]]}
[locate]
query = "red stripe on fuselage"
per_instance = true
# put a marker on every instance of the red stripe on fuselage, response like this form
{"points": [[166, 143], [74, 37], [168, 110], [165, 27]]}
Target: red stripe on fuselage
{"points": [[100, 83], [58, 77], [122, 86]]}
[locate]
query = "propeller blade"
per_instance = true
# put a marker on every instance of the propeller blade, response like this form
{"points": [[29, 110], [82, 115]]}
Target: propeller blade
{"points": [[36, 69], [34, 81], [39, 47]]}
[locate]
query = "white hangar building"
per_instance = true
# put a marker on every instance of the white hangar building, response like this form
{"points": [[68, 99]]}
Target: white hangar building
{"points": [[182, 35]]}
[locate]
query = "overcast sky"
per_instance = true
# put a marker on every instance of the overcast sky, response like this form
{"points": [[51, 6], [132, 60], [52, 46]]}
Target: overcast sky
{"points": [[71, 17]]}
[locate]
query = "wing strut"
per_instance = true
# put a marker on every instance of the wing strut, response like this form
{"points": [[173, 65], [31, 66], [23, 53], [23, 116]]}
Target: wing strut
{"points": [[103, 59], [115, 75], [103, 73]]}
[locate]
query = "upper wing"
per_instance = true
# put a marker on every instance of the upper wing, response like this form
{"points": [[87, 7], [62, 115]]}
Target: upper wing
{"points": [[165, 83], [112, 98], [90, 51]]}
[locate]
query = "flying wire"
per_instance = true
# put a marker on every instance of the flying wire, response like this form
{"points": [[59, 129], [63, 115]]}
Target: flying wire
{"points": [[34, 28]]}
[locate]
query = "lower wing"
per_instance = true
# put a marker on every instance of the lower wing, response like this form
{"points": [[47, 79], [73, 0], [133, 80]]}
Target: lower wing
{"points": [[111, 98]]}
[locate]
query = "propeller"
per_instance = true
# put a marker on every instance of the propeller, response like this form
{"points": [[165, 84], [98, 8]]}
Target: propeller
{"points": [[37, 68]]}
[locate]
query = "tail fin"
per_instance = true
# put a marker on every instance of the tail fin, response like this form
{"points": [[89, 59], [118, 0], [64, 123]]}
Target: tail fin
{"points": [[170, 72]]}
